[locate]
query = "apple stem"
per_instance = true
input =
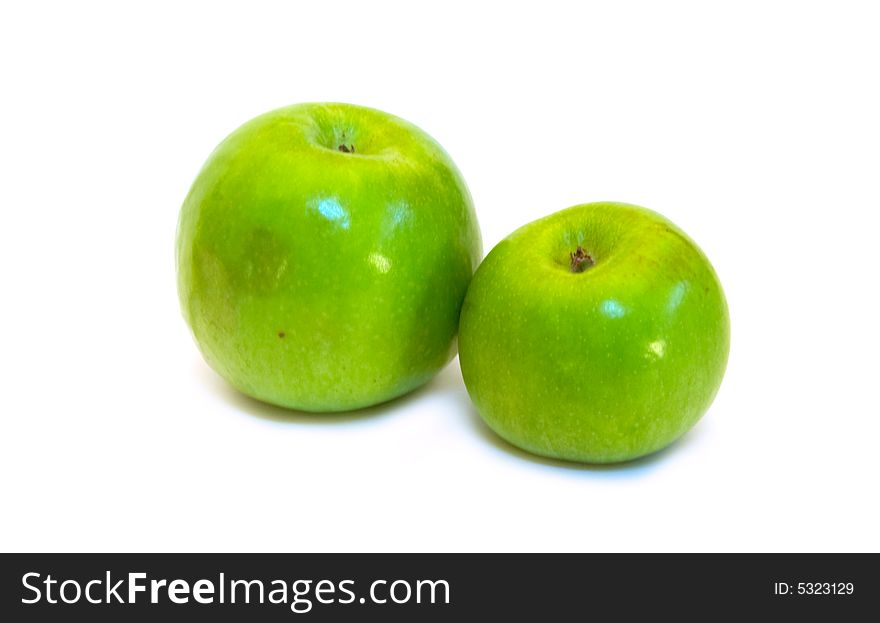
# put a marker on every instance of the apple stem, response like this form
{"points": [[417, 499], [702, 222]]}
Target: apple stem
{"points": [[580, 260], [349, 149]]}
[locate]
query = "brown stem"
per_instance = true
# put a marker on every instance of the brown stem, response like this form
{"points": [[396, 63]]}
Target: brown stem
{"points": [[580, 260]]}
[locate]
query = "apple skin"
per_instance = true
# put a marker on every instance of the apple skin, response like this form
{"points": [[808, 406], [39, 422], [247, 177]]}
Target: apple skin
{"points": [[600, 366], [323, 253]]}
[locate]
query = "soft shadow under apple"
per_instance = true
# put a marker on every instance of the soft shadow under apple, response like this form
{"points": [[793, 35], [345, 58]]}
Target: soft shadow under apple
{"points": [[448, 381]]}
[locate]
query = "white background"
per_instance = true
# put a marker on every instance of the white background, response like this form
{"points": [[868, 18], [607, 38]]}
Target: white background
{"points": [[752, 125]]}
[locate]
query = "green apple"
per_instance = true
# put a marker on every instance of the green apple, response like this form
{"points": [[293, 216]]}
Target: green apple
{"points": [[597, 334], [323, 253]]}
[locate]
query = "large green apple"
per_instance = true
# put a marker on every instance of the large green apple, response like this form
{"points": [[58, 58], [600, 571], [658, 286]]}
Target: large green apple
{"points": [[597, 334], [323, 254]]}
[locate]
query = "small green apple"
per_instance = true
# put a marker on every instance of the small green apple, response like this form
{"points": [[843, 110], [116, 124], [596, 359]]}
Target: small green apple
{"points": [[597, 334], [323, 253]]}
